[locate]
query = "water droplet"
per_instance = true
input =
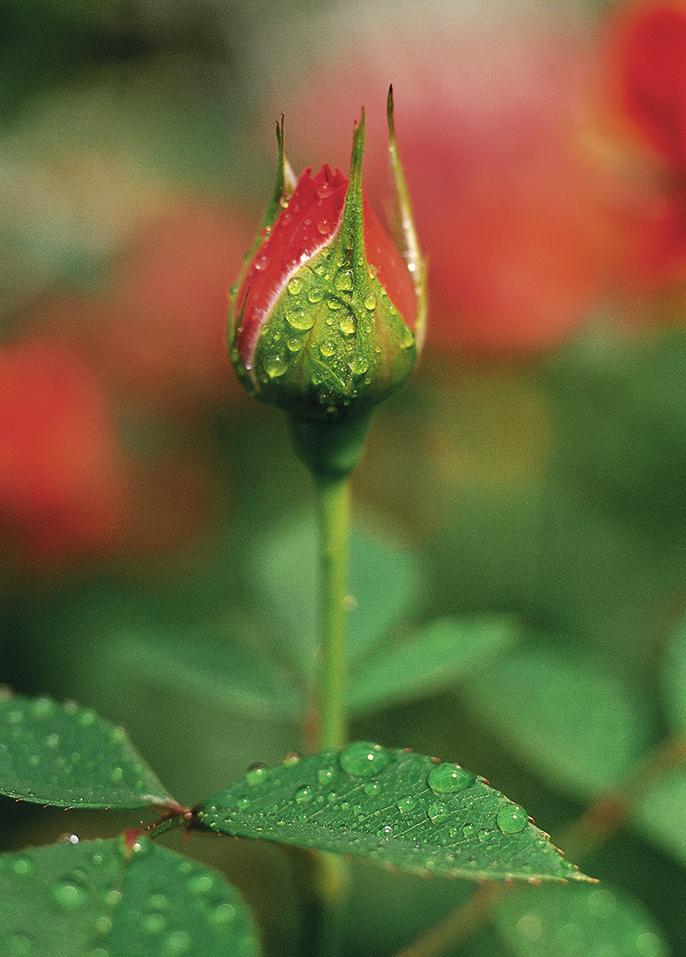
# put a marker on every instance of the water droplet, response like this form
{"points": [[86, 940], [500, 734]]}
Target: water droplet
{"points": [[438, 812], [344, 281], [274, 365], [331, 797], [327, 349], [511, 819], [68, 895], [243, 803], [334, 303], [315, 294], [370, 301], [326, 775], [260, 263], [448, 778], [18, 945], [347, 326], [371, 788], [222, 915], [294, 344], [116, 775], [21, 867], [363, 759], [485, 836], [158, 902], [42, 707], [87, 718], [359, 365], [178, 942], [406, 804], [299, 319], [468, 831], [154, 924], [324, 189], [648, 944], [304, 794], [200, 884], [52, 741], [103, 925], [291, 759], [323, 227], [406, 337], [530, 927], [294, 285], [256, 772]]}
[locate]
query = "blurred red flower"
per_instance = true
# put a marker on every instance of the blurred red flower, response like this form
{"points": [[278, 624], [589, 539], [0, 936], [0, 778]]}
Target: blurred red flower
{"points": [[62, 477], [646, 65], [161, 329], [512, 211]]}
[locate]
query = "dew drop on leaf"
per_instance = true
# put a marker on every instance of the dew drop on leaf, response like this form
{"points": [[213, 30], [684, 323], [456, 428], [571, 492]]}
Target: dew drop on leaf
{"points": [[256, 772], [438, 812], [406, 804], [448, 778], [274, 366], [299, 319], [68, 895], [364, 759], [511, 819], [304, 794], [326, 775]]}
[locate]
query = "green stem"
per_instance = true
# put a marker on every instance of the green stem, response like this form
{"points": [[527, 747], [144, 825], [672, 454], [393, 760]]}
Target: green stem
{"points": [[334, 519]]}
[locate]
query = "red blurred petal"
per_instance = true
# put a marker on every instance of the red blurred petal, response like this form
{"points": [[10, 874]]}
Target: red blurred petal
{"points": [[652, 65]]}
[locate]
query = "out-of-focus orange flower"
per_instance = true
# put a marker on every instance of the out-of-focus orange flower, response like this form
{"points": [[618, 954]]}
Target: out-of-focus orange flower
{"points": [[512, 210], [160, 335], [62, 475]]}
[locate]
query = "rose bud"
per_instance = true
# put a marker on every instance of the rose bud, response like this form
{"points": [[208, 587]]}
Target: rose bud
{"points": [[329, 312]]}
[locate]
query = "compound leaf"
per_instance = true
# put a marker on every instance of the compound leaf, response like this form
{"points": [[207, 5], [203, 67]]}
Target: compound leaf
{"points": [[392, 806]]}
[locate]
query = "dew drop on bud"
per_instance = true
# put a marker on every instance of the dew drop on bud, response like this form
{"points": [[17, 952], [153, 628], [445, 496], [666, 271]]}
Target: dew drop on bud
{"points": [[359, 365], [370, 301], [275, 366]]}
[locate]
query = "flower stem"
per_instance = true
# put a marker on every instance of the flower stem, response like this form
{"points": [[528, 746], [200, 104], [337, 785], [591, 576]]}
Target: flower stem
{"points": [[331, 872], [334, 522]]}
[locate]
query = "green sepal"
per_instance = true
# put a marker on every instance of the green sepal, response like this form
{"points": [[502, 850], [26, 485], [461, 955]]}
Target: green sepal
{"points": [[407, 233], [284, 187]]}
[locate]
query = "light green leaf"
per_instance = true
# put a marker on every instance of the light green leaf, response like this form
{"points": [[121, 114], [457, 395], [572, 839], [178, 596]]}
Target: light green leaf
{"points": [[391, 806], [575, 921], [385, 583], [577, 728], [429, 661], [69, 757], [100, 899], [230, 675]]}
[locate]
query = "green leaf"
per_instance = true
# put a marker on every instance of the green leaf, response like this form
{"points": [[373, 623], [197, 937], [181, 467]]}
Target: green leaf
{"points": [[385, 583], [391, 806], [429, 661], [664, 797], [674, 678], [69, 757], [99, 898], [574, 921], [230, 675], [577, 728]]}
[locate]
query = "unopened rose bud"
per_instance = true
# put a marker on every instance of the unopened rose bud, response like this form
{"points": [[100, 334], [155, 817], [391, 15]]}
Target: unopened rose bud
{"points": [[328, 314]]}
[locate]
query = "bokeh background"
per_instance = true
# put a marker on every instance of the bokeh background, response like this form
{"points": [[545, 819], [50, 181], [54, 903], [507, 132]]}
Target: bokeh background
{"points": [[536, 465]]}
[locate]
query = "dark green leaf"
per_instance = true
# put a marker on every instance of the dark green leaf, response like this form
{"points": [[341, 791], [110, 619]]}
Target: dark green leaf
{"points": [[430, 660], [579, 921], [674, 678], [100, 899], [578, 728], [385, 582], [224, 672], [394, 807], [69, 757]]}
